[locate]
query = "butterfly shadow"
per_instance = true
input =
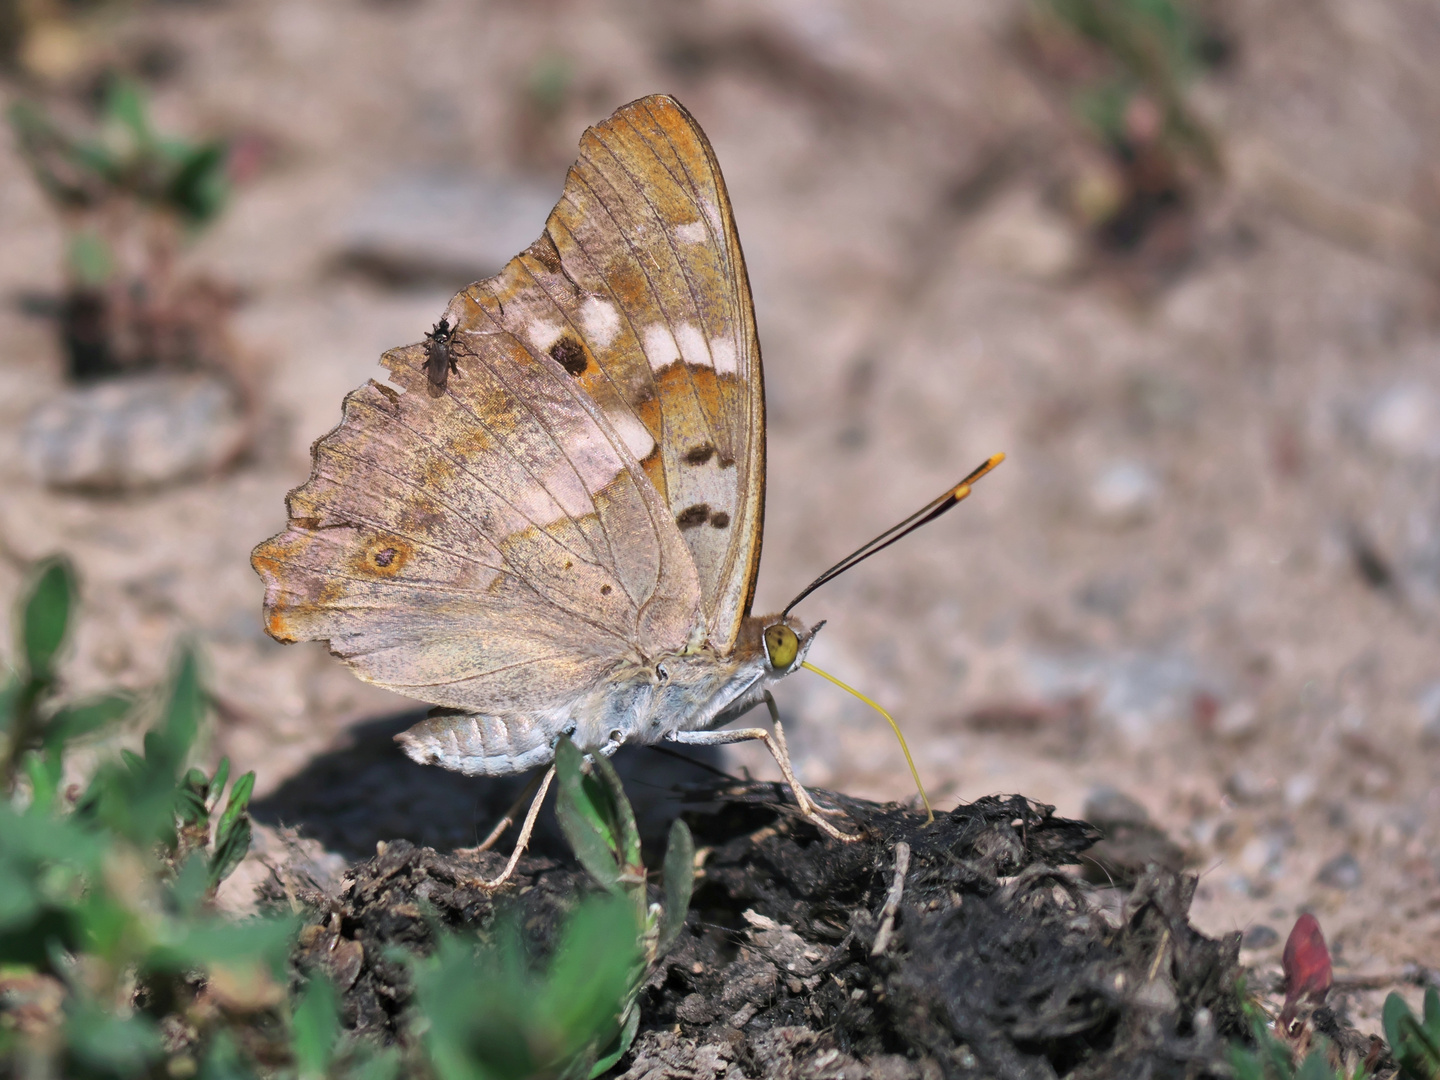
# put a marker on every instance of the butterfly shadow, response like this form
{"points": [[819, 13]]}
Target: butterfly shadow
{"points": [[366, 791]]}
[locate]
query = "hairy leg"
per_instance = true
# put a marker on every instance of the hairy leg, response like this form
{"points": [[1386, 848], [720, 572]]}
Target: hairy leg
{"points": [[525, 830], [512, 814], [782, 758]]}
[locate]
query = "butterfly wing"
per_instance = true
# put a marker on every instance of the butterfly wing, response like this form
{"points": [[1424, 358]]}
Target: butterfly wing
{"points": [[493, 548], [638, 290]]}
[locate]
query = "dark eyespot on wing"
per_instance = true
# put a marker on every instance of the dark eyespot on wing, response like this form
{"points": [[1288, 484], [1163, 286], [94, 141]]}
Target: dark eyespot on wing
{"points": [[700, 454], [570, 354], [720, 520], [385, 557], [605, 590], [693, 516]]}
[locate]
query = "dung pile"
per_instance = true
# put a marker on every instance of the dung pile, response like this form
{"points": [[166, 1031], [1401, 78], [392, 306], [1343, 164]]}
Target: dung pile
{"points": [[962, 948]]}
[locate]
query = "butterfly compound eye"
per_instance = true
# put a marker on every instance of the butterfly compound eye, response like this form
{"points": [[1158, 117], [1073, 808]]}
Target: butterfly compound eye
{"points": [[781, 646]]}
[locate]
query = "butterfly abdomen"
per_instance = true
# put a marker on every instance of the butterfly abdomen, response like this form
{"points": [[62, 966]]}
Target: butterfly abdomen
{"points": [[478, 745]]}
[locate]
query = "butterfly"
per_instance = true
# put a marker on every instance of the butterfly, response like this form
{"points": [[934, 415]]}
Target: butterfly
{"points": [[561, 534]]}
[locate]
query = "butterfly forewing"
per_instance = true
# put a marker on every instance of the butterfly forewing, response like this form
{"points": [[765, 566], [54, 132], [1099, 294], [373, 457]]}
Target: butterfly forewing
{"points": [[638, 291], [569, 480]]}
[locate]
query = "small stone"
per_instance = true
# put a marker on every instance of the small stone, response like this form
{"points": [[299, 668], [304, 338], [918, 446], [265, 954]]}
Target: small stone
{"points": [[437, 228], [1341, 872], [1402, 421], [1107, 806], [1248, 787], [1259, 936], [1124, 493], [1021, 234], [1427, 704], [135, 432], [695, 1009], [1300, 789]]}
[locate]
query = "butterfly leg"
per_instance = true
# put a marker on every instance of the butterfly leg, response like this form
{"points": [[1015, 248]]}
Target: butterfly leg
{"points": [[782, 758], [525, 830], [512, 814], [803, 796]]}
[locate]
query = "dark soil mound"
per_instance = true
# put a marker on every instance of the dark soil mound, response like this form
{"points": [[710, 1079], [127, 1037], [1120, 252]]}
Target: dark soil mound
{"points": [[807, 957]]}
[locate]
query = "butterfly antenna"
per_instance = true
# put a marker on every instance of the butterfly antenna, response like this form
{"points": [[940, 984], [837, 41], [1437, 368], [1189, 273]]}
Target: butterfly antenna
{"points": [[914, 772], [923, 516]]}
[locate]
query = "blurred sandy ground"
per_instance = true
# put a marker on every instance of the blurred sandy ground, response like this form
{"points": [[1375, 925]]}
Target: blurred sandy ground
{"points": [[1161, 592]]}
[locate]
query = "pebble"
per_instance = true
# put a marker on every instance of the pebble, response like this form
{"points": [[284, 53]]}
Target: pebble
{"points": [[1427, 704], [1136, 692], [1259, 936], [1124, 493], [1402, 421], [1247, 787], [135, 432], [424, 228], [1021, 234], [1341, 872], [1107, 806]]}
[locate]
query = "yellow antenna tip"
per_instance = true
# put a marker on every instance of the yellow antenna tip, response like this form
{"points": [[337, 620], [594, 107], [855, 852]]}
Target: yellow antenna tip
{"points": [[914, 773]]}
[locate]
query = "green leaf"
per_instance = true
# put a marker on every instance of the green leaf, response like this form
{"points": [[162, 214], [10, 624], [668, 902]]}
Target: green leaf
{"points": [[622, 1044], [1432, 1009], [120, 1046], [10, 691], [626, 832], [85, 718], [223, 1060], [201, 943], [45, 615], [192, 885], [89, 259], [190, 798], [581, 820], [230, 852], [1316, 1067], [172, 740], [199, 188], [125, 106], [1392, 1014], [217, 782], [133, 761], [679, 883], [594, 972], [369, 1063], [235, 807], [43, 772], [315, 1028]]}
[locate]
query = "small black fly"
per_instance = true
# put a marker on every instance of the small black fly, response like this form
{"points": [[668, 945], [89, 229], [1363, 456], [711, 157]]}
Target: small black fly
{"points": [[439, 360]]}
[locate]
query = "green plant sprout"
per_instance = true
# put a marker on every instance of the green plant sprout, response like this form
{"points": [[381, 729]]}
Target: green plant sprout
{"points": [[106, 913], [1154, 49], [1414, 1041], [114, 962], [128, 197], [494, 1014]]}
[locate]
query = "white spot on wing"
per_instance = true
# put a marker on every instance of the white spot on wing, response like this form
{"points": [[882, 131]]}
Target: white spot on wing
{"points": [[723, 350], [660, 348], [635, 435], [693, 233], [599, 320], [543, 334], [692, 345]]}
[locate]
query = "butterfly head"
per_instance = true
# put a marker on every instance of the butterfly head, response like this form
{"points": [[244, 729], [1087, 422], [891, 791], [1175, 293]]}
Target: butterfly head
{"points": [[786, 642]]}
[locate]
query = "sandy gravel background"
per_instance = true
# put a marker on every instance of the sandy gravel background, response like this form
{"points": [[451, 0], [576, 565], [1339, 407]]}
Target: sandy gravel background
{"points": [[1161, 592]]}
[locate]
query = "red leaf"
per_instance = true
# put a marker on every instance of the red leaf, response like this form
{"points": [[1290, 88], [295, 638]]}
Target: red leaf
{"points": [[1307, 967]]}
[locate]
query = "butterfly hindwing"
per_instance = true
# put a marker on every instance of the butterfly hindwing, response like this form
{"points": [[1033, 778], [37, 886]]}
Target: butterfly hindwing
{"points": [[492, 548], [637, 289]]}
